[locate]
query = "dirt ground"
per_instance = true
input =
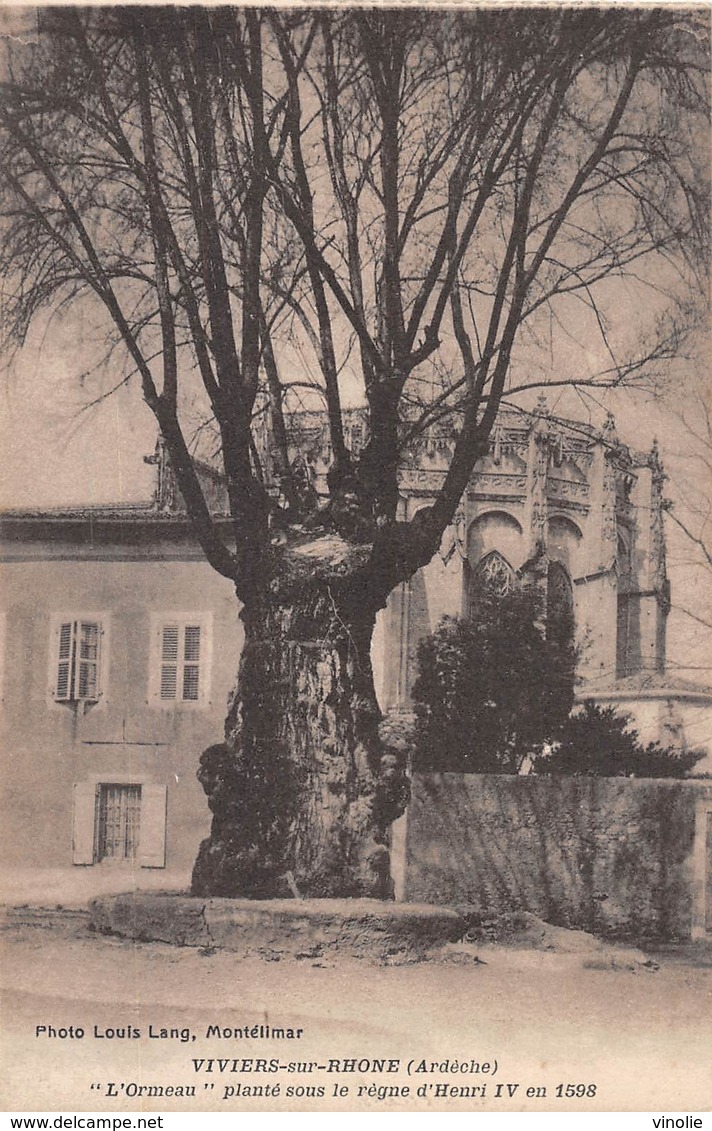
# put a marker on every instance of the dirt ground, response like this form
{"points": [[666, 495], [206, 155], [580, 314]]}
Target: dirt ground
{"points": [[491, 1029]]}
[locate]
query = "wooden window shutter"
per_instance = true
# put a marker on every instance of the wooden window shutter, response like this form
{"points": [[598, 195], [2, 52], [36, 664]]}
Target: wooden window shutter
{"points": [[180, 651], [84, 822], [169, 661], [152, 842], [88, 653], [63, 683], [191, 662]]}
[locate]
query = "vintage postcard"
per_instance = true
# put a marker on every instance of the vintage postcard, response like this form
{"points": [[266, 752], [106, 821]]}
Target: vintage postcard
{"points": [[355, 563]]}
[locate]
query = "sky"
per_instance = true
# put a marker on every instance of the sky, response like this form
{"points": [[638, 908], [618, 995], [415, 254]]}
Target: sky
{"points": [[59, 448]]}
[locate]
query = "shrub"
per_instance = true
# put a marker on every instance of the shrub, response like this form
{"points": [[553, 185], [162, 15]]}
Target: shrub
{"points": [[598, 741], [491, 689]]}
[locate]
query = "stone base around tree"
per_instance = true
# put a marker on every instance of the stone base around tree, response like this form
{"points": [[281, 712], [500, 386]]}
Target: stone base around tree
{"points": [[277, 928]]}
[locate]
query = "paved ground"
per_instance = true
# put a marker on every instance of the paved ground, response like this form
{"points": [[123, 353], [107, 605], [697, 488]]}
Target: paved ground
{"points": [[641, 1036]]}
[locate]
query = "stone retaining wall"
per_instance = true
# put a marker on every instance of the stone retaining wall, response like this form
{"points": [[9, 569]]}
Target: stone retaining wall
{"points": [[617, 856]]}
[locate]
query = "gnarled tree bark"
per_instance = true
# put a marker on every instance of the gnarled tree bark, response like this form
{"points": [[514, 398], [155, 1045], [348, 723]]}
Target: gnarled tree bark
{"points": [[303, 792]]}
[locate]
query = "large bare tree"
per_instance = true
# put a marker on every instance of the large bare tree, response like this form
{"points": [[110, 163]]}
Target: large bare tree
{"points": [[407, 199]]}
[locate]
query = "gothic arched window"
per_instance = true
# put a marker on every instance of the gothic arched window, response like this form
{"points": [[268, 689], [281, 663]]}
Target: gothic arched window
{"points": [[559, 604], [625, 621], [496, 573]]}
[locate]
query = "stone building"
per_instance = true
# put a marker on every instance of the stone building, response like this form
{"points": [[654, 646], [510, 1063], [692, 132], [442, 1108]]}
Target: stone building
{"points": [[120, 649], [120, 643], [560, 500]]}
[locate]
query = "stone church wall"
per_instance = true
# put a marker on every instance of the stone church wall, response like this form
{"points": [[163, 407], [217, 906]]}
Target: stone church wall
{"points": [[616, 856]]}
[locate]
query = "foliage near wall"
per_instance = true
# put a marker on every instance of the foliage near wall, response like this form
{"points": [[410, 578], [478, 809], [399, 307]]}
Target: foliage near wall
{"points": [[491, 688], [598, 741], [495, 692]]}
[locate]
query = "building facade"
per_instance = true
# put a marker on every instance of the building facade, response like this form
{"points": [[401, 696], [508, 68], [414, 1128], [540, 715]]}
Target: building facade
{"points": [[121, 644], [581, 513], [120, 649], [570, 506]]}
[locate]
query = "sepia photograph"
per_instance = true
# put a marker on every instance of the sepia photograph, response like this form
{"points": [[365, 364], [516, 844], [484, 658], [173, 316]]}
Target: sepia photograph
{"points": [[355, 559]]}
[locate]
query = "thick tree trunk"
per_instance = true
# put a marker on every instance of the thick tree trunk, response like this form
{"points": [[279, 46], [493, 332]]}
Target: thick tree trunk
{"points": [[303, 792]]}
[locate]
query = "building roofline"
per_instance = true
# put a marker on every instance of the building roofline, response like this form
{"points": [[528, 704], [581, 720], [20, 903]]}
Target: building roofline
{"points": [[73, 535]]}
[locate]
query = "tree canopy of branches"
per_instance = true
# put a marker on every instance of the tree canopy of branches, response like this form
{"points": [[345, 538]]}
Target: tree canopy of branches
{"points": [[405, 199], [492, 688]]}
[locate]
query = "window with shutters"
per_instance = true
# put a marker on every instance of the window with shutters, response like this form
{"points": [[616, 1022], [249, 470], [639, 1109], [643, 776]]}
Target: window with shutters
{"points": [[77, 659], [119, 820], [181, 655]]}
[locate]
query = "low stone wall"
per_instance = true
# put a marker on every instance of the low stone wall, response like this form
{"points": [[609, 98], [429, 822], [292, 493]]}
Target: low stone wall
{"points": [[615, 856], [280, 928]]}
